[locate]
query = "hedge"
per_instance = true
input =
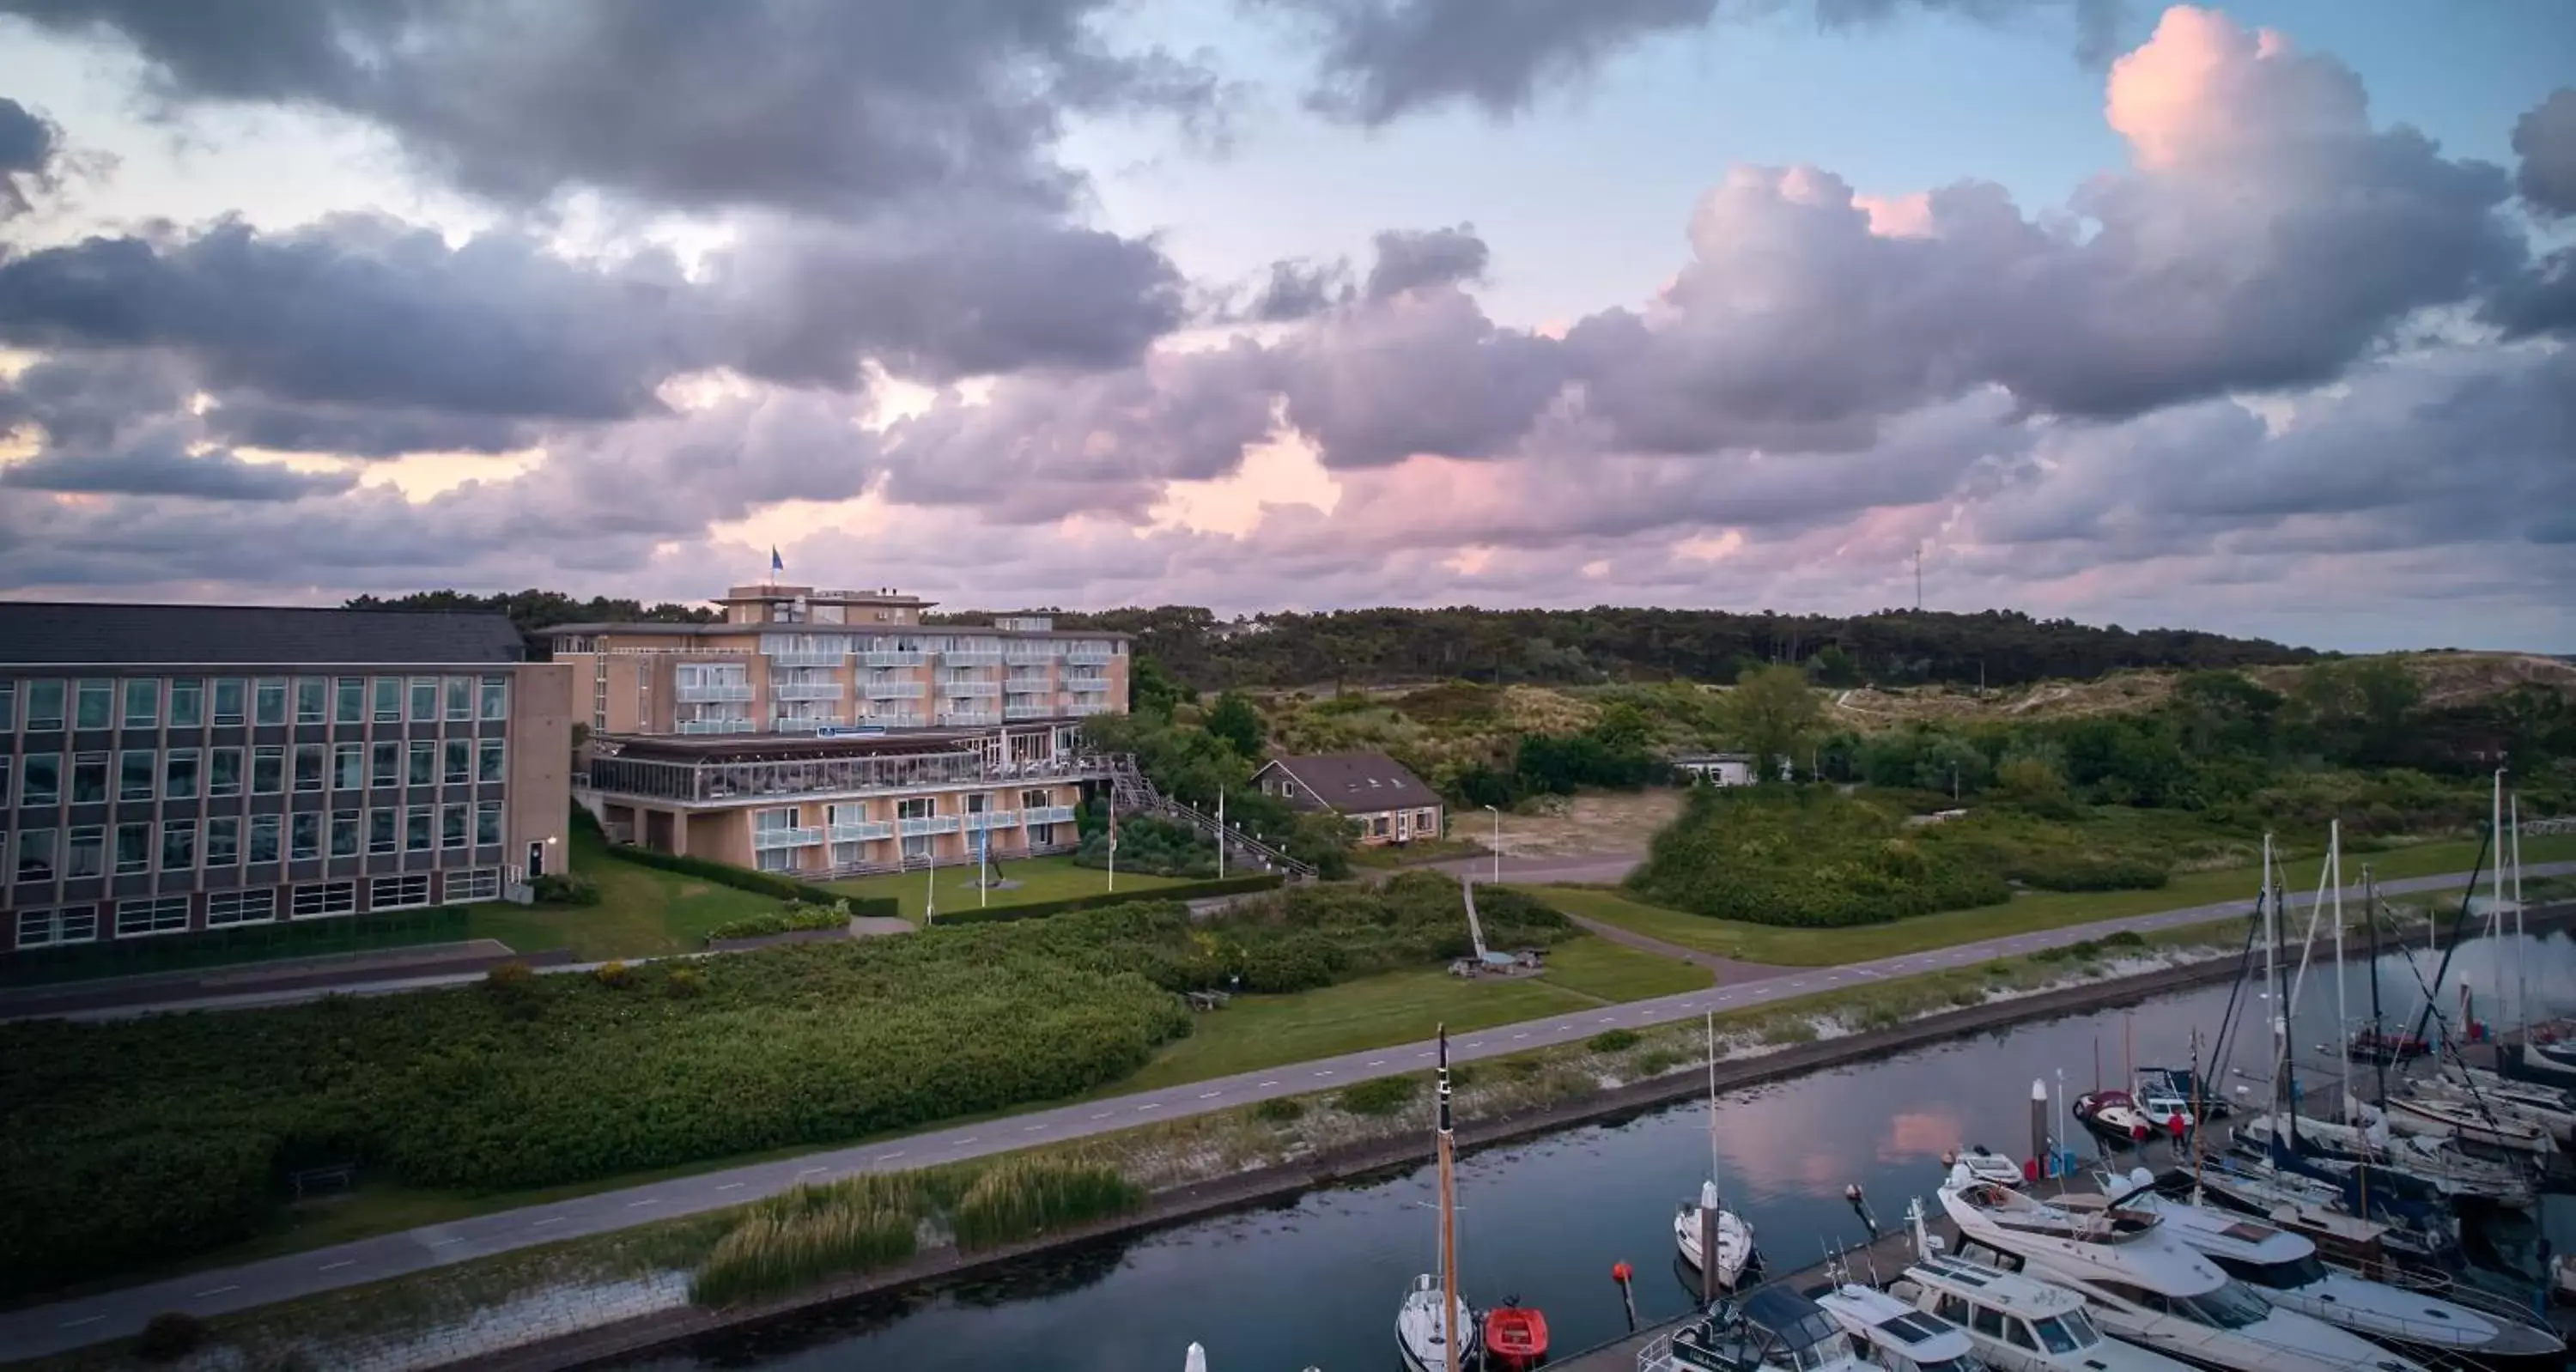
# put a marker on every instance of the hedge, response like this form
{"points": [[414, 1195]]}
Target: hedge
{"points": [[760, 883], [794, 916], [1229, 886], [239, 943]]}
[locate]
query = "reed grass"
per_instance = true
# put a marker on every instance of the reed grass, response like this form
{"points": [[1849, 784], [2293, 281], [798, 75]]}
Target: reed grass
{"points": [[778, 1249], [1021, 1198]]}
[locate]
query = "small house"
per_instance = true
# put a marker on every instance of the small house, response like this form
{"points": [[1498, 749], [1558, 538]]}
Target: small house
{"points": [[1372, 790], [1715, 769]]}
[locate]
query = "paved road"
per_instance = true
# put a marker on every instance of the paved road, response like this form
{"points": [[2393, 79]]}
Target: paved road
{"points": [[70, 1324]]}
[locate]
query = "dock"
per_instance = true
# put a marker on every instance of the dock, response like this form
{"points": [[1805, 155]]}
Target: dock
{"points": [[1887, 1255]]}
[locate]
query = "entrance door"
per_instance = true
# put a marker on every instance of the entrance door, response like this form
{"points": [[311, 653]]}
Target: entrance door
{"points": [[536, 861]]}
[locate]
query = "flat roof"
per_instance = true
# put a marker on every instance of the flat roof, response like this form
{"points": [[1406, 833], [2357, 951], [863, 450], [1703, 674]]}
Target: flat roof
{"points": [[665, 628], [800, 747], [87, 633]]}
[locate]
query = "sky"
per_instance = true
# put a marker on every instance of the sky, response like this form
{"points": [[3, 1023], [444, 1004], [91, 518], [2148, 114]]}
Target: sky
{"points": [[2252, 319]]}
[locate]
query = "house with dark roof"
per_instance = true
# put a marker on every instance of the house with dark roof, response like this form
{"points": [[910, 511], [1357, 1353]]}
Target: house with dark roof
{"points": [[1372, 790]]}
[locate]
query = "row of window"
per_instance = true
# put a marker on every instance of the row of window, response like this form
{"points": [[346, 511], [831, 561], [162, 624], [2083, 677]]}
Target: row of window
{"points": [[225, 909], [89, 850], [142, 702], [914, 807], [148, 773]]}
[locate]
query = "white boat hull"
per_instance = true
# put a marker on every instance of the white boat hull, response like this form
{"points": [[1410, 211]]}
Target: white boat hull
{"points": [[1734, 1241], [2441, 1119], [1419, 1336]]}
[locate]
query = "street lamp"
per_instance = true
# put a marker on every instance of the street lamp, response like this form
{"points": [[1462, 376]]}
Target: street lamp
{"points": [[1498, 843]]}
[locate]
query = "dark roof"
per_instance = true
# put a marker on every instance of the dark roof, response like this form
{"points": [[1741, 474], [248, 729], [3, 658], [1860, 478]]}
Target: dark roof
{"points": [[787, 747], [655, 626], [1355, 783], [78, 634]]}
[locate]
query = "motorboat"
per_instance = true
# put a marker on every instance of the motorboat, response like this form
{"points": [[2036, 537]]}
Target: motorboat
{"points": [[1692, 1219], [1434, 1329], [1515, 1337], [2181, 1083], [1899, 1337], [2114, 1117], [2147, 1287], [2425, 1116], [2326, 1146], [1769, 1329], [1986, 1165], [2386, 1046], [2284, 1270], [2359, 1217], [2015, 1323]]}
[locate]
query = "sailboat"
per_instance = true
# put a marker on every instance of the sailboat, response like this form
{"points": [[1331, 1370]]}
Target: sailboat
{"points": [[1434, 1329], [1691, 1222]]}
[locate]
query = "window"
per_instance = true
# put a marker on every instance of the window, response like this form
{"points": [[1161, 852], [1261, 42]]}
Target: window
{"points": [[133, 848], [142, 702], [223, 840], [460, 762], [1990, 1323], [89, 778], [416, 829], [87, 854], [487, 763], [344, 833], [5, 761], [349, 767], [487, 822], [188, 703], [263, 838], [134, 769], [179, 774], [312, 700], [349, 700], [424, 699], [223, 772], [267, 769], [381, 837], [268, 701], [460, 697], [304, 836], [240, 907], [311, 761], [398, 893], [35, 855], [388, 699], [42, 782], [72, 924], [2065, 1334], [44, 706], [451, 827], [325, 898], [178, 845], [388, 764], [228, 700], [90, 711], [8, 706], [496, 698], [784, 859], [2017, 1333], [482, 883], [424, 762]]}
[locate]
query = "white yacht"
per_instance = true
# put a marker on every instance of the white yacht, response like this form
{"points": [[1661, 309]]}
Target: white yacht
{"points": [[1986, 1165], [2433, 1159], [1771, 1329], [1899, 1337], [2538, 1094], [2016, 1324], [1434, 1329], [2146, 1287], [2284, 1270], [2510, 1107], [2468, 1121], [1690, 1224]]}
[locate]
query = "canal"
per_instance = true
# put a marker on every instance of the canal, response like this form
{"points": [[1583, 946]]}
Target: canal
{"points": [[1315, 1281]]}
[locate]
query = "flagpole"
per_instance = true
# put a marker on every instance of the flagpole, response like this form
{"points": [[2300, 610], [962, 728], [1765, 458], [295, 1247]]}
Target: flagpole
{"points": [[1113, 845], [984, 866], [1220, 833]]}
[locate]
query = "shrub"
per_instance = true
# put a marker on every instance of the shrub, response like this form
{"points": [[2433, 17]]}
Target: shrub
{"points": [[1654, 1062], [1614, 1041], [616, 976], [80, 1205], [567, 888], [1279, 1110], [2125, 938], [681, 983], [1807, 858], [1379, 1095], [795, 915], [170, 1336], [510, 978]]}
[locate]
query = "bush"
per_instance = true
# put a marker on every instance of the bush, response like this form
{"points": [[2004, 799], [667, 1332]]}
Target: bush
{"points": [[170, 1336], [1807, 858], [1379, 1095], [681, 983], [2125, 938], [83, 1204], [1159, 847], [1279, 1110], [2090, 872], [1654, 1062], [795, 915], [616, 976], [1613, 1041], [510, 978], [567, 888]]}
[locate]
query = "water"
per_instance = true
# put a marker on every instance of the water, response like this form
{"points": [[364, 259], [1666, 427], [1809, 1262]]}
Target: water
{"points": [[1315, 1281]]}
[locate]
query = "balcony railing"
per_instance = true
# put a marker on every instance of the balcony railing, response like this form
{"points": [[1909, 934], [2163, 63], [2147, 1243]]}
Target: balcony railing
{"points": [[805, 690], [992, 819], [735, 725], [1032, 711], [972, 657], [970, 688], [892, 657], [802, 724], [786, 838], [817, 778], [702, 692], [932, 824], [1028, 652], [892, 690], [893, 719], [1048, 814], [806, 658], [969, 718], [1022, 679], [1082, 652], [1087, 707], [863, 831], [1087, 688]]}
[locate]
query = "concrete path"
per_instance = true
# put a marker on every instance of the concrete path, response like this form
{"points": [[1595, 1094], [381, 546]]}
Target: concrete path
{"points": [[47, 1329], [1727, 970]]}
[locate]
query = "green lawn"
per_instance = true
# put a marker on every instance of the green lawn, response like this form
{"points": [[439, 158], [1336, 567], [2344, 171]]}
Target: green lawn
{"points": [[2038, 910], [642, 911], [1044, 878]]}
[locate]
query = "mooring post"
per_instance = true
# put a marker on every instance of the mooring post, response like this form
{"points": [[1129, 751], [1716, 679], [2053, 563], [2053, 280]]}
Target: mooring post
{"points": [[1620, 1272], [2039, 1149], [1708, 1263]]}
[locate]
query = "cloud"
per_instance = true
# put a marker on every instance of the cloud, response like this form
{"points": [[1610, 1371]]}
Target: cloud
{"points": [[158, 461], [120, 424], [1296, 290], [27, 148], [2545, 139], [1410, 259], [1423, 372]]}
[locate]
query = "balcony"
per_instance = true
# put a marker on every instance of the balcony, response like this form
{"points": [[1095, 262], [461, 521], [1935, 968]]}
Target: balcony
{"points": [[970, 688], [1028, 653], [863, 831], [1022, 679], [802, 724], [892, 690], [893, 657], [969, 718], [929, 824], [786, 838], [735, 725], [893, 719], [1087, 707], [704, 692], [992, 819], [1048, 814], [804, 658], [1091, 684], [972, 657], [804, 690], [1089, 652], [1040, 710]]}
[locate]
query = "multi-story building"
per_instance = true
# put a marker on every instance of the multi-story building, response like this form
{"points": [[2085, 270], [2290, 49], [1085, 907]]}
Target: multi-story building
{"points": [[166, 769], [820, 732]]}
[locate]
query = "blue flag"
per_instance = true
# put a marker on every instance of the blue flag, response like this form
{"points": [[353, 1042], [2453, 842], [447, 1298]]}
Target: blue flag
{"points": [[774, 564]]}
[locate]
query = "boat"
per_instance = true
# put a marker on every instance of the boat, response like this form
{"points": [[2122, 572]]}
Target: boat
{"points": [[1434, 1329], [2284, 1270], [2015, 1323], [2426, 1116], [2556, 1121], [2361, 1218], [1770, 1329], [2383, 1046], [2182, 1083], [2113, 1117], [2146, 1287], [1899, 1337], [1691, 1222], [1515, 1337], [2322, 1147], [1986, 1165], [2537, 1095]]}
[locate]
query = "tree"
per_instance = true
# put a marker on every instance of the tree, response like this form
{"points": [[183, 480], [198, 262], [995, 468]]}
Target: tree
{"points": [[1151, 690], [1235, 721], [1772, 712], [1834, 667]]}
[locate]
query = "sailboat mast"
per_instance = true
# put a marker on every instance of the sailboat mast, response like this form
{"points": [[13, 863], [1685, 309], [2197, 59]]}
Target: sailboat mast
{"points": [[2343, 1016], [2495, 913], [2370, 908], [1712, 1109], [2521, 964], [2273, 1013], [1448, 1223]]}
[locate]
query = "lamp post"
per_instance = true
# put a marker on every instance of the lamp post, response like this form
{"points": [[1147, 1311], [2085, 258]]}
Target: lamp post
{"points": [[1498, 843]]}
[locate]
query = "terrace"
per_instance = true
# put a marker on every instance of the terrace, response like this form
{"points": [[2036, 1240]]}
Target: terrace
{"points": [[726, 782]]}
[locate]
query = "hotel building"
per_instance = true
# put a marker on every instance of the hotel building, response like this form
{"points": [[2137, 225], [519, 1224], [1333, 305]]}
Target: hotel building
{"points": [[168, 769], [821, 732]]}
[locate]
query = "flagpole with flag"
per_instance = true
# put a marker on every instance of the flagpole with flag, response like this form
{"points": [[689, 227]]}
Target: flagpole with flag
{"points": [[775, 564], [984, 866], [1113, 844], [1220, 833]]}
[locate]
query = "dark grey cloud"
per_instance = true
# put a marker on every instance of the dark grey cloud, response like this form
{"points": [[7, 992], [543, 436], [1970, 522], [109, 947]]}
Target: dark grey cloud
{"points": [[28, 145], [120, 423], [250, 420], [785, 103], [1297, 290], [158, 462], [1411, 258], [2545, 139], [2539, 301], [1422, 372]]}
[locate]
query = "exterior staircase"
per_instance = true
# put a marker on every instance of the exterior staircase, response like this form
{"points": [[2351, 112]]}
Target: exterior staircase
{"points": [[1130, 792]]}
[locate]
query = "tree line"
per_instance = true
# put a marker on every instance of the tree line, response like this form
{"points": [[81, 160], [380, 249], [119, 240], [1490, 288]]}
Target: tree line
{"points": [[533, 609]]}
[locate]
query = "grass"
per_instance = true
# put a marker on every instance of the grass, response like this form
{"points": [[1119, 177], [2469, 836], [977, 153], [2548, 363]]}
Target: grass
{"points": [[1605, 970], [1788, 947], [1417, 852], [1043, 878], [642, 911]]}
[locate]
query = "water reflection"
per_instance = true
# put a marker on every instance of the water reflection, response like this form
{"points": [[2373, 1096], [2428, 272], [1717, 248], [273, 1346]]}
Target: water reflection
{"points": [[1316, 1281]]}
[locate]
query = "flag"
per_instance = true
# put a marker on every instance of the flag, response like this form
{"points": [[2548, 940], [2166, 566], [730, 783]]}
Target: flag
{"points": [[775, 564]]}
